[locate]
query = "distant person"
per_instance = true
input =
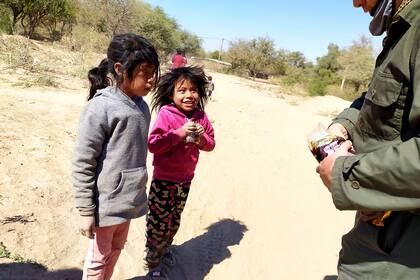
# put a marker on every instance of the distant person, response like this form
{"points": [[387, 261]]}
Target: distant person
{"points": [[180, 131], [109, 167], [209, 86], [178, 59], [381, 180]]}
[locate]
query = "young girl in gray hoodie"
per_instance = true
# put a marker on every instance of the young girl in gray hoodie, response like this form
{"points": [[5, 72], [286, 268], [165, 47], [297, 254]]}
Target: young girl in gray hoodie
{"points": [[109, 167]]}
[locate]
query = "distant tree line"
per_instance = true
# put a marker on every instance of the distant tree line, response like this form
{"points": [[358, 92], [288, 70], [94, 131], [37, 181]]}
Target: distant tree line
{"points": [[89, 25], [340, 69]]}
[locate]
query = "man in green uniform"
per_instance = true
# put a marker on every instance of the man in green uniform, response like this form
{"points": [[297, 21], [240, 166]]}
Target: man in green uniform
{"points": [[381, 180]]}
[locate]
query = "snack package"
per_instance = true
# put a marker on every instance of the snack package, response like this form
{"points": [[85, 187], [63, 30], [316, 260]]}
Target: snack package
{"points": [[321, 143], [191, 137]]}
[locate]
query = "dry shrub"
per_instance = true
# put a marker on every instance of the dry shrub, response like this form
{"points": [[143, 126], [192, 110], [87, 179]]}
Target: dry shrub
{"points": [[209, 64], [38, 80], [345, 93], [87, 39], [15, 51]]}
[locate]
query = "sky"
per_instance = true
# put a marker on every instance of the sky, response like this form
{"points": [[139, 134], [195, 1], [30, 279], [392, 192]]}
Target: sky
{"points": [[307, 26]]}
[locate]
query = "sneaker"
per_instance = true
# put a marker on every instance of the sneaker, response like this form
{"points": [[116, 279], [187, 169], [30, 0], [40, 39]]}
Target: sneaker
{"points": [[169, 258], [156, 273]]}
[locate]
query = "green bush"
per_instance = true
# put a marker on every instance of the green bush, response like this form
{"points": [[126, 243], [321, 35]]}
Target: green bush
{"points": [[317, 87], [214, 54], [294, 76], [5, 21]]}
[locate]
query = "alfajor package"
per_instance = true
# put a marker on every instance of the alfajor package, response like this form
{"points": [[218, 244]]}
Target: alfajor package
{"points": [[321, 143]]}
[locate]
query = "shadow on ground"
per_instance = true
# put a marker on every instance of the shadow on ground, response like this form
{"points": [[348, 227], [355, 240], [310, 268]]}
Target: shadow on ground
{"points": [[28, 271], [196, 257]]}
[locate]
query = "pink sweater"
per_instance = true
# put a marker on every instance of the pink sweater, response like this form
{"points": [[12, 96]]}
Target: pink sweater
{"points": [[173, 159]]}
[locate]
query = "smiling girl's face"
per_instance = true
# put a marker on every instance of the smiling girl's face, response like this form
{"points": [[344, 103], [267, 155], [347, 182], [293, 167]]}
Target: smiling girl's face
{"points": [[185, 95]]}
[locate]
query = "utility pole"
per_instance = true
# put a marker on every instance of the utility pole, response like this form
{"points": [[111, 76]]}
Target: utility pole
{"points": [[221, 49]]}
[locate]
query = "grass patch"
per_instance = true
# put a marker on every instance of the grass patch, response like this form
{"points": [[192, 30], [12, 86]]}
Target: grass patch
{"points": [[41, 80], [16, 258]]}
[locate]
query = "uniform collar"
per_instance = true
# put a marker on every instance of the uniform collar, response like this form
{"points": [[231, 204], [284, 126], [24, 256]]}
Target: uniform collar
{"points": [[409, 11]]}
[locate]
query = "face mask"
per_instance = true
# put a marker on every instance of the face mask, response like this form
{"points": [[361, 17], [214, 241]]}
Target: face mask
{"points": [[382, 17]]}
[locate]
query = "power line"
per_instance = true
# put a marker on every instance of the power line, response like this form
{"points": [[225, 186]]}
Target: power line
{"points": [[214, 38], [222, 39]]}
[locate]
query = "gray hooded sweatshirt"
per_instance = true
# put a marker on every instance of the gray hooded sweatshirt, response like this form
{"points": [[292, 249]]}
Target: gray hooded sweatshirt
{"points": [[109, 166]]}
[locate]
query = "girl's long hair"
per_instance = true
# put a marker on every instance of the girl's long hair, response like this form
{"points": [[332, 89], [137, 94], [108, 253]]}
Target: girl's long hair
{"points": [[166, 86], [130, 50]]}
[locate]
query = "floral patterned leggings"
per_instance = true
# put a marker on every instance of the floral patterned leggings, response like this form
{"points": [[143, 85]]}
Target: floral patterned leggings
{"points": [[166, 203]]}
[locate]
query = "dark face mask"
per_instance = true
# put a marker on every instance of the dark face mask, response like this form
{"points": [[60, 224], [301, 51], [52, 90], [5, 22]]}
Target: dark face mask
{"points": [[382, 17]]}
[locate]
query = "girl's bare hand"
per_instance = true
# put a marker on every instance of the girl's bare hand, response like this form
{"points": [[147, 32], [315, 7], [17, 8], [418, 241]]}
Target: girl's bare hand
{"points": [[189, 127], [199, 129], [87, 226]]}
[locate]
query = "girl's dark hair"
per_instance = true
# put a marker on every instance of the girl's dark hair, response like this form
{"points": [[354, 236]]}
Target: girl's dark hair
{"points": [[166, 86], [130, 50]]}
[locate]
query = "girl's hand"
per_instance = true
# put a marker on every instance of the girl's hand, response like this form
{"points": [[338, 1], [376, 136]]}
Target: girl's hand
{"points": [[87, 226], [189, 127], [199, 133], [199, 129]]}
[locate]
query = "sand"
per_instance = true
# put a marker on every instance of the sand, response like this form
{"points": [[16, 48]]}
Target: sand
{"points": [[256, 210]]}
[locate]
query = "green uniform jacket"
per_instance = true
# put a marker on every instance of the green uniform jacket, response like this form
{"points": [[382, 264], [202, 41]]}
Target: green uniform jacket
{"points": [[384, 126]]}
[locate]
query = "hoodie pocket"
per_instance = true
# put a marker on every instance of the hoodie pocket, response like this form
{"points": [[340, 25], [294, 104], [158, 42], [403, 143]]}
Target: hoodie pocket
{"points": [[130, 194]]}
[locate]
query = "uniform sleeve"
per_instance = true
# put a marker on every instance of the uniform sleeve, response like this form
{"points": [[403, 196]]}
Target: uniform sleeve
{"points": [[386, 179], [162, 137], [348, 117], [207, 142], [89, 143]]}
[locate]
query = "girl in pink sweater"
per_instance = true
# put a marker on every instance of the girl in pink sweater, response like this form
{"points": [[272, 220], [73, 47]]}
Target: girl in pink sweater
{"points": [[180, 131]]}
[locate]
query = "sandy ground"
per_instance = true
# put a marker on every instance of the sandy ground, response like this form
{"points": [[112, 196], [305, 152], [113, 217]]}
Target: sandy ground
{"points": [[256, 210]]}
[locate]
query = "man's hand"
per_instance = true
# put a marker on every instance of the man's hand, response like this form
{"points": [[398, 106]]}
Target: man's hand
{"points": [[338, 129], [87, 226], [324, 169]]}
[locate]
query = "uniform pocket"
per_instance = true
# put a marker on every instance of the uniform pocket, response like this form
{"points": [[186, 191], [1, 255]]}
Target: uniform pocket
{"points": [[381, 113], [360, 245], [390, 235], [130, 193]]}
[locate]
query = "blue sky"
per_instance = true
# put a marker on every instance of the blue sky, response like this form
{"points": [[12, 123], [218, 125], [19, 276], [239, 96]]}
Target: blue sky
{"points": [[307, 26]]}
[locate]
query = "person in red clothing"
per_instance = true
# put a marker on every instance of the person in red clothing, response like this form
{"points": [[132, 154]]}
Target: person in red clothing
{"points": [[180, 132], [178, 59]]}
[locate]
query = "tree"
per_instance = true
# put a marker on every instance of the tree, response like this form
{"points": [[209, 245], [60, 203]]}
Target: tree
{"points": [[357, 63], [155, 25], [296, 59], [121, 13], [214, 54], [189, 42], [330, 60], [279, 64], [61, 17], [33, 14], [256, 55], [325, 71], [16, 7]]}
